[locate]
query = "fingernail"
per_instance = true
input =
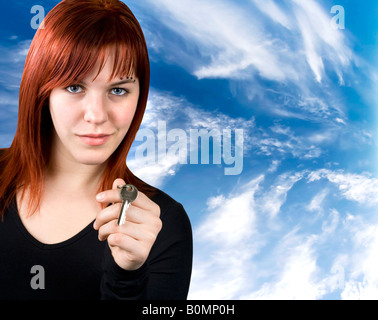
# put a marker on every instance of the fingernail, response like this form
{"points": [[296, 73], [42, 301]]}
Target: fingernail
{"points": [[100, 197]]}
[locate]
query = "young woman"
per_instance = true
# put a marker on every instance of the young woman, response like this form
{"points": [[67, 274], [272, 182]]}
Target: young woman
{"points": [[82, 98]]}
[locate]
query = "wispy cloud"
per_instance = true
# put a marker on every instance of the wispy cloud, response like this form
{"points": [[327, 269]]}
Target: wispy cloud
{"points": [[225, 243], [362, 279], [235, 37], [227, 35], [362, 188], [321, 41], [278, 141], [317, 202], [298, 272], [178, 114], [241, 254], [12, 59], [283, 56], [155, 173], [272, 200]]}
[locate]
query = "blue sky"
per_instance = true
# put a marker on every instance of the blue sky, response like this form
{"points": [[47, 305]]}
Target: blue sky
{"points": [[300, 220]]}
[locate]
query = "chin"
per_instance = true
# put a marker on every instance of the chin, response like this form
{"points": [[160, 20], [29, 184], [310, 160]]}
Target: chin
{"points": [[93, 158]]}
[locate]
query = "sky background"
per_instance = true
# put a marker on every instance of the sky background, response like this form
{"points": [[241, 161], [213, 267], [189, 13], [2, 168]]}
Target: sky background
{"points": [[300, 220]]}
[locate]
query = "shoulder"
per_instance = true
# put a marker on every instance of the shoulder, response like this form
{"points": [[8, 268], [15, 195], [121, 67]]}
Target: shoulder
{"points": [[171, 211], [175, 240], [165, 202]]}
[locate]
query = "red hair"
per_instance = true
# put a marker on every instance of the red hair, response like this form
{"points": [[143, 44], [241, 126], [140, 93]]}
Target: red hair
{"points": [[77, 34]]}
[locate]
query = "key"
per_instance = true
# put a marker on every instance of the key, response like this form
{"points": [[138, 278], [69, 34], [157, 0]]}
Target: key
{"points": [[128, 194]]}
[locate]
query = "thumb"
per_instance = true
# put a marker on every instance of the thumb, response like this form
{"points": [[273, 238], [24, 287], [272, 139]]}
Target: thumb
{"points": [[118, 182]]}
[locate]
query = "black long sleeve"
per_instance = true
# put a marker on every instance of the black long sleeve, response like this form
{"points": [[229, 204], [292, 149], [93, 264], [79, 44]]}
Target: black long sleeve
{"points": [[82, 267], [166, 273]]}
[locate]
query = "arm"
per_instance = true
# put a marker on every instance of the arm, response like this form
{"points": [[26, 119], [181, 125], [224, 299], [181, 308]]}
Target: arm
{"points": [[170, 262], [165, 273]]}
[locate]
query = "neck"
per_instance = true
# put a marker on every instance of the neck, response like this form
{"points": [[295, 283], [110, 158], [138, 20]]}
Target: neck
{"points": [[76, 178]]}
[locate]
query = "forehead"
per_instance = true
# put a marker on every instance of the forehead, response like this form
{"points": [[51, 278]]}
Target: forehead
{"points": [[110, 65], [104, 72]]}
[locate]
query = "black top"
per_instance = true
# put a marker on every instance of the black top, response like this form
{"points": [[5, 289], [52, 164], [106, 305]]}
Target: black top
{"points": [[82, 267]]}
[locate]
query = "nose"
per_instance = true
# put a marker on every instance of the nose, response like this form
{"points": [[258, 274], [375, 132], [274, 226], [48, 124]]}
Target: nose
{"points": [[96, 109]]}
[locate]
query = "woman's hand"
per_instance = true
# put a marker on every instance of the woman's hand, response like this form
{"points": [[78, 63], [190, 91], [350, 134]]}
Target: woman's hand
{"points": [[130, 243]]}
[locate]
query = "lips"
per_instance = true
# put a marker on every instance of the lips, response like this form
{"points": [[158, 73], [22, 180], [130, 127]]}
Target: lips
{"points": [[95, 139]]}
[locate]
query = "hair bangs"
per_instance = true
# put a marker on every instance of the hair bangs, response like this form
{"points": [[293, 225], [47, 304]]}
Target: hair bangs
{"points": [[91, 48]]}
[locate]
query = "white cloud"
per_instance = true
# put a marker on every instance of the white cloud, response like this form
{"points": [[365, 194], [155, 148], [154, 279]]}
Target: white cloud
{"points": [[16, 53], [247, 248], [320, 39], [271, 9], [226, 240], [177, 111], [236, 40], [232, 219], [273, 199], [228, 35], [361, 188], [178, 114], [290, 43], [236, 231], [330, 225], [12, 61], [273, 167], [154, 173], [317, 202], [276, 141], [297, 265], [283, 141], [361, 272]]}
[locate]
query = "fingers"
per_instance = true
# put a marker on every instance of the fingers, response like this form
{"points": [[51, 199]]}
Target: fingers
{"points": [[128, 253], [131, 242], [114, 195], [143, 202], [139, 212], [139, 232], [139, 225], [118, 182], [134, 214]]}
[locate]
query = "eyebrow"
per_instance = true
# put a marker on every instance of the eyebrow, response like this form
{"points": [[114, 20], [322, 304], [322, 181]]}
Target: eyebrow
{"points": [[130, 80]]}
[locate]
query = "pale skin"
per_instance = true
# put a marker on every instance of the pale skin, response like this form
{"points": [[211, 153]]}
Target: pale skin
{"points": [[90, 119]]}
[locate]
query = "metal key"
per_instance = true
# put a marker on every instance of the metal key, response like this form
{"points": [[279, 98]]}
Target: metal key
{"points": [[128, 194]]}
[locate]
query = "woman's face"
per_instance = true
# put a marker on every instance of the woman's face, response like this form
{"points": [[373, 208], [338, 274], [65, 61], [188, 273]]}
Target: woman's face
{"points": [[92, 117]]}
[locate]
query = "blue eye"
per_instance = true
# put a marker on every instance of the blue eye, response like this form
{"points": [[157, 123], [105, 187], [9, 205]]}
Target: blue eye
{"points": [[74, 89], [119, 91]]}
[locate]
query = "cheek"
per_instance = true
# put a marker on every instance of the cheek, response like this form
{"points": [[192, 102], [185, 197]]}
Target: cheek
{"points": [[63, 118], [123, 118]]}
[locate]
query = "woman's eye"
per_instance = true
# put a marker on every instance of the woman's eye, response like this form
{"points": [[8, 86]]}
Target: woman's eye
{"points": [[118, 91], [74, 89]]}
